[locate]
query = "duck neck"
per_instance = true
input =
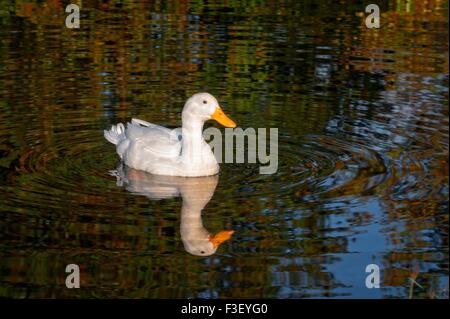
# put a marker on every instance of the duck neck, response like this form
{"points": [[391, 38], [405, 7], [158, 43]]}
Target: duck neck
{"points": [[191, 219], [192, 142]]}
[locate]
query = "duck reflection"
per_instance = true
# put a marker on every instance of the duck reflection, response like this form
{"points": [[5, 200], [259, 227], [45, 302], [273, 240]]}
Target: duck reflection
{"points": [[195, 192]]}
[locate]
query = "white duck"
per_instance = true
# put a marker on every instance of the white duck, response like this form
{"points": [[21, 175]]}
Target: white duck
{"points": [[162, 151], [196, 193]]}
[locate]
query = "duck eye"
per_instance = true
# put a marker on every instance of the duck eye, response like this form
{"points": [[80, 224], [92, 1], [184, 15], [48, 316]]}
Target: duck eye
{"points": [[204, 102], [202, 252]]}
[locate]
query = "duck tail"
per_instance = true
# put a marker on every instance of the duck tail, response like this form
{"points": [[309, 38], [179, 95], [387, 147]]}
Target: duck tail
{"points": [[115, 134]]}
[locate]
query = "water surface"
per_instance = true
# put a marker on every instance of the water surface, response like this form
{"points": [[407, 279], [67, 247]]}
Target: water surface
{"points": [[363, 149]]}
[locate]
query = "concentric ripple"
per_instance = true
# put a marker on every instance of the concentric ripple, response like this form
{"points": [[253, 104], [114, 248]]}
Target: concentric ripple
{"points": [[316, 166]]}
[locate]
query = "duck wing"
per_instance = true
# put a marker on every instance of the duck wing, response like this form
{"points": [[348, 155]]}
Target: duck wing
{"points": [[154, 140]]}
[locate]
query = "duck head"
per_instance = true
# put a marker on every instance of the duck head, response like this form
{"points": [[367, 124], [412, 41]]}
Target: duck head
{"points": [[202, 245], [204, 107]]}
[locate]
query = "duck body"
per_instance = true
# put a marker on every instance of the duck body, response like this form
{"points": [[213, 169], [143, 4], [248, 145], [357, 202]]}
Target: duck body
{"points": [[159, 150], [173, 152]]}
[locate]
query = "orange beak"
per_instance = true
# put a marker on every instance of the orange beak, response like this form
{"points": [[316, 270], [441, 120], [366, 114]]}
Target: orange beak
{"points": [[220, 117], [220, 237]]}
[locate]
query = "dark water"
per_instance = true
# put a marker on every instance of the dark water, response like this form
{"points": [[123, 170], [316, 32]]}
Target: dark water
{"points": [[363, 149]]}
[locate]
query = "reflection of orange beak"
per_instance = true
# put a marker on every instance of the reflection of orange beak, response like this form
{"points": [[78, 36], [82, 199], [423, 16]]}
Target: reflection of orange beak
{"points": [[220, 237], [220, 117]]}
